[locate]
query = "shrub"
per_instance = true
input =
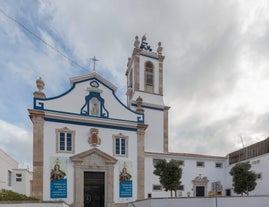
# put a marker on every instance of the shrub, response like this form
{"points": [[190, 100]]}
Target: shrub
{"points": [[8, 195]]}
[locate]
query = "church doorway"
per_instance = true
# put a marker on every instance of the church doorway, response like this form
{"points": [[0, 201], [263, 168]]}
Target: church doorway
{"points": [[200, 191], [94, 189], [200, 186]]}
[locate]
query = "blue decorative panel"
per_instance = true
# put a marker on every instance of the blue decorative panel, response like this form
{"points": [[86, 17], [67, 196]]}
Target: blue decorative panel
{"points": [[94, 106], [94, 84]]}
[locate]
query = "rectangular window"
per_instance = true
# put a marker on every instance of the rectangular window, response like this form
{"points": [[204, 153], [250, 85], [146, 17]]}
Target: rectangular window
{"points": [[259, 176], [120, 145], [9, 177], [157, 187], [218, 165], [18, 177], [200, 164], [255, 162], [65, 140], [181, 162], [180, 187], [62, 141]]}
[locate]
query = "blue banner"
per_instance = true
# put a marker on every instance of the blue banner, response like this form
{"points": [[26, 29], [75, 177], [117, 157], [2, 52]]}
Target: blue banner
{"points": [[126, 189], [58, 189]]}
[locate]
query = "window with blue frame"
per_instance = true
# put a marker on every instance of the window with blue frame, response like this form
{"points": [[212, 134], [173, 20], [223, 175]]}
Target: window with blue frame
{"points": [[120, 145], [65, 140]]}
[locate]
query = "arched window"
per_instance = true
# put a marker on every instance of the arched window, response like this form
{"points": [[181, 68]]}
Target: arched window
{"points": [[149, 77]]}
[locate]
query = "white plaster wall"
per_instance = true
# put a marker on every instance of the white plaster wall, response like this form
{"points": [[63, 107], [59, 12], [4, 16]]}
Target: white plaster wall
{"points": [[204, 202], [82, 134], [34, 204], [7, 164], [23, 187], [50, 151], [189, 172], [149, 98], [154, 133], [258, 165]]}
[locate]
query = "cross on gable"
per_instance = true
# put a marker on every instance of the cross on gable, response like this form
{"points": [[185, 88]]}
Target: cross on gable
{"points": [[94, 60]]}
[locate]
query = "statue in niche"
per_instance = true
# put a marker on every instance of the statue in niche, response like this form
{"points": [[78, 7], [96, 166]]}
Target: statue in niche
{"points": [[95, 107]]}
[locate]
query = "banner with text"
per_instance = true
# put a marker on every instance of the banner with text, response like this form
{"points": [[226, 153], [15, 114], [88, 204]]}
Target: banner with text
{"points": [[58, 182], [126, 183]]}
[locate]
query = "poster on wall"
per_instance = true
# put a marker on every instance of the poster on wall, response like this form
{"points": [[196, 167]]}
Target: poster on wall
{"points": [[58, 182], [125, 178]]}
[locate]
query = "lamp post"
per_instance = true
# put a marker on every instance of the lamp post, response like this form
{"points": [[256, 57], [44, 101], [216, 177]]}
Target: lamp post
{"points": [[216, 193]]}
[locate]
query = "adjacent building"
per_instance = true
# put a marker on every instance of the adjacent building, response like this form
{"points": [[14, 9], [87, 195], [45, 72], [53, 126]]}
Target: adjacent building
{"points": [[12, 177]]}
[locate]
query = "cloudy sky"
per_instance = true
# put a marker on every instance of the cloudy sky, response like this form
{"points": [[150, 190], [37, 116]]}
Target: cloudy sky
{"points": [[216, 70]]}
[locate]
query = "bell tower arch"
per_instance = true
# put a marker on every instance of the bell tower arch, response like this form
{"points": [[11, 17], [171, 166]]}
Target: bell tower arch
{"points": [[144, 71]]}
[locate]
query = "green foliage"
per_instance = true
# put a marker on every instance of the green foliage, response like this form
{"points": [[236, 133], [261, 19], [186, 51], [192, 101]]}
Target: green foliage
{"points": [[244, 180], [169, 174], [8, 195]]}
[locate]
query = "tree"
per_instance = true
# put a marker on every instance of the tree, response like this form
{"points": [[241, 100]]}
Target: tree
{"points": [[244, 180], [169, 174]]}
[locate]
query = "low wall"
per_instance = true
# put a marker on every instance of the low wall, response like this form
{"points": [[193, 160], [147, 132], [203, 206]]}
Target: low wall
{"points": [[33, 204], [249, 201]]}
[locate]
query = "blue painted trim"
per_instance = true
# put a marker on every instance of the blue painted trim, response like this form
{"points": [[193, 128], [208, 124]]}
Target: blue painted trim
{"points": [[149, 56], [140, 118], [38, 105], [92, 84], [149, 107], [69, 113], [89, 124]]}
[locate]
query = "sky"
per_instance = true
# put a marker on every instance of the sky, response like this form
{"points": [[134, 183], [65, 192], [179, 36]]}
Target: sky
{"points": [[216, 67]]}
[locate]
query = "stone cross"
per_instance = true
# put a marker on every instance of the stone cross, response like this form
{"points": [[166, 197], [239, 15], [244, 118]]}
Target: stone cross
{"points": [[94, 60]]}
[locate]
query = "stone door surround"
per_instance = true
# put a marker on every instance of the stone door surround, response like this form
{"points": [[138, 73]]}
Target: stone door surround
{"points": [[93, 160]]}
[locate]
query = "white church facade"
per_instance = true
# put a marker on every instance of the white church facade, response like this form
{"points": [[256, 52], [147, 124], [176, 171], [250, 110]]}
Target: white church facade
{"points": [[90, 149]]}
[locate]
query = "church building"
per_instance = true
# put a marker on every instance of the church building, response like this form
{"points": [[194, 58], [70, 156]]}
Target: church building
{"points": [[90, 149]]}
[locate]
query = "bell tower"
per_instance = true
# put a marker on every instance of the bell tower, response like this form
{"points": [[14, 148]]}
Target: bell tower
{"points": [[145, 73], [145, 93]]}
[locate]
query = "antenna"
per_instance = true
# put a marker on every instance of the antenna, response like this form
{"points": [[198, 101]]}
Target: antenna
{"points": [[242, 141]]}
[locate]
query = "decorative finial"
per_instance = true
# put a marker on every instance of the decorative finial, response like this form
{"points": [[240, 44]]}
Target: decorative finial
{"points": [[137, 42], [129, 59], [94, 60], [160, 48], [40, 86], [139, 102]]}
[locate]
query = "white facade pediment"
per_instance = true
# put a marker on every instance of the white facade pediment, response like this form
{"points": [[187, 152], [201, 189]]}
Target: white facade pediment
{"points": [[90, 96]]}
